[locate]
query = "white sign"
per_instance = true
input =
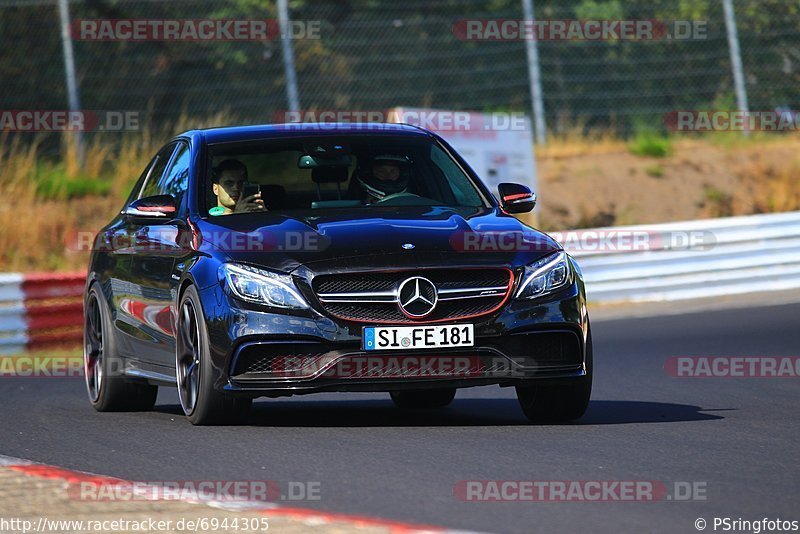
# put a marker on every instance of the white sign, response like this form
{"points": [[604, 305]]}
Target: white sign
{"points": [[498, 146]]}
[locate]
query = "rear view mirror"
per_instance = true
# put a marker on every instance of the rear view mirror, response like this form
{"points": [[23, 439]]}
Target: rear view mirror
{"points": [[516, 198], [152, 210], [311, 162]]}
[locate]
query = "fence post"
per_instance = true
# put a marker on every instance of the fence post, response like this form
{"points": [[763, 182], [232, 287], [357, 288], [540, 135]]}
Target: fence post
{"points": [[292, 94], [69, 70], [535, 77], [736, 61]]}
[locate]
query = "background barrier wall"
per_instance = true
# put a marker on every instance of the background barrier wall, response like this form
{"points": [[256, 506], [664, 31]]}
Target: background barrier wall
{"points": [[40, 310], [740, 255]]}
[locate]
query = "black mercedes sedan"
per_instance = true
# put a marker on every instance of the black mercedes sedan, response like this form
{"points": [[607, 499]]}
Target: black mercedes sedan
{"points": [[277, 260]]}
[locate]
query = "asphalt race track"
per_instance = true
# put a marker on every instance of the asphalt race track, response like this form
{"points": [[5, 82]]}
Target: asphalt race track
{"points": [[737, 438]]}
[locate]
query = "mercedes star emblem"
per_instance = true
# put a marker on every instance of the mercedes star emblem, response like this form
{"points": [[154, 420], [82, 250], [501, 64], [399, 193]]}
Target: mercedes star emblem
{"points": [[417, 297]]}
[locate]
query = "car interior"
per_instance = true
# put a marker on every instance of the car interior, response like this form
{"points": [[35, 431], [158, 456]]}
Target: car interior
{"points": [[323, 173]]}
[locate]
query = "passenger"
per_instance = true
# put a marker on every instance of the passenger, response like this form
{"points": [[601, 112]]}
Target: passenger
{"points": [[228, 179]]}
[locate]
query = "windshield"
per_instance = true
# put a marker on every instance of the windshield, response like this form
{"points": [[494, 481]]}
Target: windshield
{"points": [[335, 172]]}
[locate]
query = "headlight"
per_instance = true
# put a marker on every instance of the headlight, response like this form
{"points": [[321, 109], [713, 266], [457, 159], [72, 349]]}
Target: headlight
{"points": [[264, 287], [544, 276]]}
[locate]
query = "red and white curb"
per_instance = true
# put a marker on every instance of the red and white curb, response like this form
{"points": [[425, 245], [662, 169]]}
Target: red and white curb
{"points": [[305, 515], [39, 310]]}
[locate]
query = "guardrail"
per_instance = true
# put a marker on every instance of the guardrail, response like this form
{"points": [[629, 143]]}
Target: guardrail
{"points": [[734, 255], [731, 256], [41, 310]]}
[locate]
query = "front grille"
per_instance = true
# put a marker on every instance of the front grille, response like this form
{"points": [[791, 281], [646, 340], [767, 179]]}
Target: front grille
{"points": [[385, 313], [353, 284], [385, 281], [371, 297]]}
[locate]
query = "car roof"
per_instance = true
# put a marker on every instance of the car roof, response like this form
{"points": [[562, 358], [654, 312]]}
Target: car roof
{"points": [[266, 131]]}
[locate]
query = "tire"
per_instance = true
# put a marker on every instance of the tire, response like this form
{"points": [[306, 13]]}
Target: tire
{"points": [[194, 371], [560, 402], [419, 399], [108, 389]]}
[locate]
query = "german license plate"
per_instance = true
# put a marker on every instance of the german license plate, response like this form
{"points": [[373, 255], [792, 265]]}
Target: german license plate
{"points": [[417, 337]]}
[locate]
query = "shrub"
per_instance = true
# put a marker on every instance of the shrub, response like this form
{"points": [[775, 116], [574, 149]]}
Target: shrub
{"points": [[651, 145]]}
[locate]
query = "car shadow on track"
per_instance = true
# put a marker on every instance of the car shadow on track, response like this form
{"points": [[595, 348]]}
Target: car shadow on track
{"points": [[463, 412], [623, 412]]}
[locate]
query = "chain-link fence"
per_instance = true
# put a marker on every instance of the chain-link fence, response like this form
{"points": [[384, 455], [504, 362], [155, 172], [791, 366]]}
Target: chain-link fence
{"points": [[377, 54]]}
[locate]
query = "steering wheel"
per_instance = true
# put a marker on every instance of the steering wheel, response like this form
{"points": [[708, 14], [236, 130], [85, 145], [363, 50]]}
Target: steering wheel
{"points": [[405, 198], [401, 194]]}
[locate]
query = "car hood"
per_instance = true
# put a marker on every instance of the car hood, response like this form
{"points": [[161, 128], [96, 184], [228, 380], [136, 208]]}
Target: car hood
{"points": [[376, 238]]}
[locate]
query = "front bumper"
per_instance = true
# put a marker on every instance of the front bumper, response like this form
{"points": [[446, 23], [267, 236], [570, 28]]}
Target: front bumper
{"points": [[258, 353]]}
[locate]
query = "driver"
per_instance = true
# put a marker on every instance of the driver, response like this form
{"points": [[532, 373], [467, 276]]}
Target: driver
{"points": [[385, 176]]}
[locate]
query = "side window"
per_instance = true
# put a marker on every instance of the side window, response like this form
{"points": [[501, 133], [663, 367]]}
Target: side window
{"points": [[140, 181], [176, 180], [162, 159]]}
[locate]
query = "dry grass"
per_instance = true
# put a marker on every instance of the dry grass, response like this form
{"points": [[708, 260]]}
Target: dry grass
{"points": [[578, 143], [769, 186], [699, 177], [38, 233]]}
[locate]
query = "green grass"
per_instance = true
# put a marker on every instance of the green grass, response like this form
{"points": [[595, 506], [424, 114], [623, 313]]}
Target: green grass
{"points": [[655, 171], [54, 182], [652, 145]]}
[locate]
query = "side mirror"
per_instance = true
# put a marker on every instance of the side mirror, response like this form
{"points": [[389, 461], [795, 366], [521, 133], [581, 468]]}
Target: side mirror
{"points": [[516, 198], [152, 210]]}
